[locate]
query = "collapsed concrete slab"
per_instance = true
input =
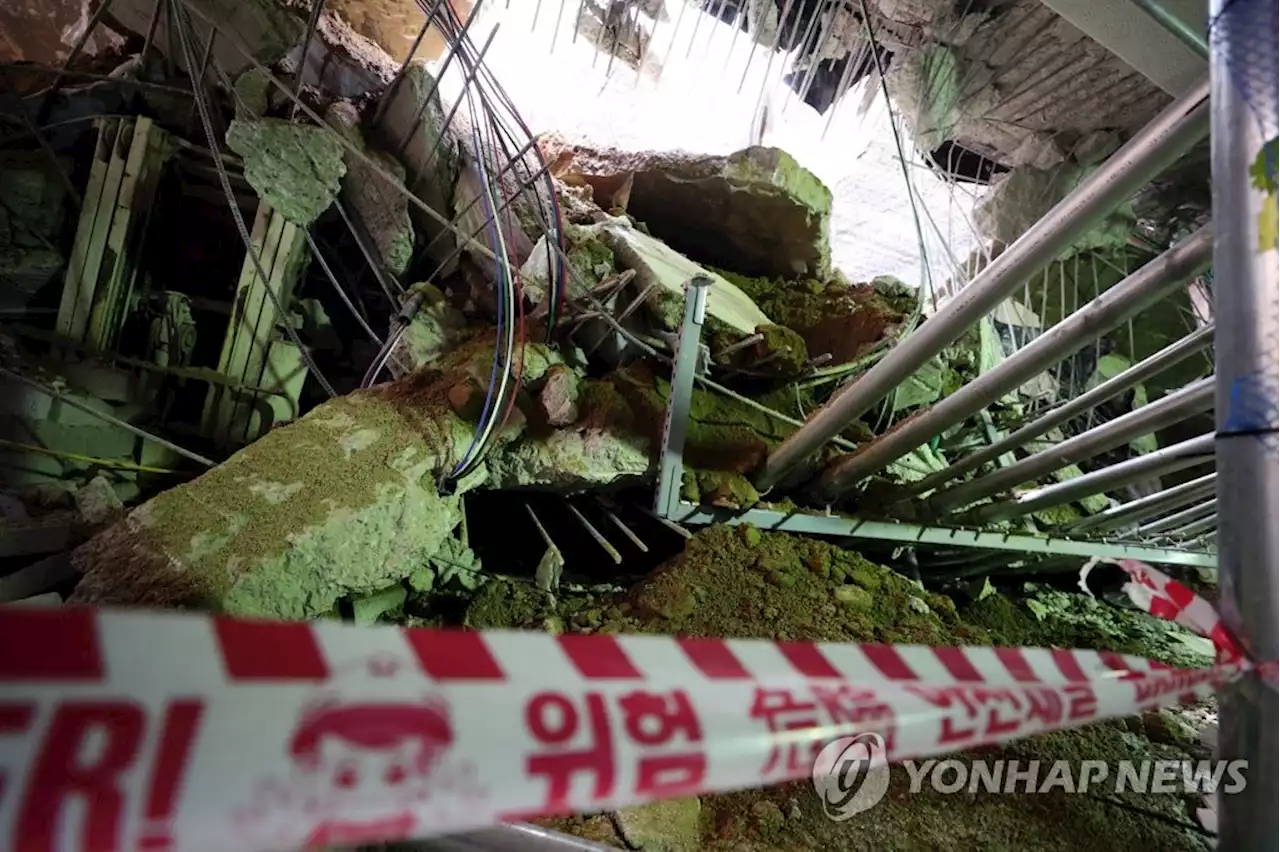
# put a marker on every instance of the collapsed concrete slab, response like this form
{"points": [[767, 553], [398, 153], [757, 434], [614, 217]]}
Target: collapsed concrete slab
{"points": [[755, 212], [344, 501], [411, 126], [268, 28], [295, 168], [657, 263], [380, 209], [340, 62]]}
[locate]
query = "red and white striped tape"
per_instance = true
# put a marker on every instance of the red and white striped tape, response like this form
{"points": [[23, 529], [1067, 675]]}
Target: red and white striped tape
{"points": [[124, 730], [1164, 597]]}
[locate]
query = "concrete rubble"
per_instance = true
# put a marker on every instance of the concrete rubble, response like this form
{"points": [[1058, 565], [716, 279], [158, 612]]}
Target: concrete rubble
{"points": [[294, 168], [359, 415], [588, 416], [699, 204]]}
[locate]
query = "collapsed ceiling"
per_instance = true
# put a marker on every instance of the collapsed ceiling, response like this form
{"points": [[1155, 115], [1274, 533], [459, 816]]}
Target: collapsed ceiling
{"points": [[373, 161], [284, 332]]}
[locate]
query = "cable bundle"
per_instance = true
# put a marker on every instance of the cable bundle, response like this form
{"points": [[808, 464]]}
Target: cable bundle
{"points": [[495, 148]]}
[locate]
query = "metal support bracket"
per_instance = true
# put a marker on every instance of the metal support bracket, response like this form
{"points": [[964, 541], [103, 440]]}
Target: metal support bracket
{"points": [[685, 370]]}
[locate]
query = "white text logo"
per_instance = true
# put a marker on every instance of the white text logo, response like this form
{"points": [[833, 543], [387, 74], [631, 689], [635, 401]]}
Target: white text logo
{"points": [[851, 775]]}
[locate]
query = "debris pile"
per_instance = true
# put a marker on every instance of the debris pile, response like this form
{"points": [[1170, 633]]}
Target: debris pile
{"points": [[207, 280]]}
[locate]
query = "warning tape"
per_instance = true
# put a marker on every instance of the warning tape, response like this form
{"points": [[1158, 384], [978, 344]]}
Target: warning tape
{"points": [[188, 732]]}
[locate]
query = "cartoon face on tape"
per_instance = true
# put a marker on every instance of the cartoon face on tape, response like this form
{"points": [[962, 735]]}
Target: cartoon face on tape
{"points": [[360, 770]]}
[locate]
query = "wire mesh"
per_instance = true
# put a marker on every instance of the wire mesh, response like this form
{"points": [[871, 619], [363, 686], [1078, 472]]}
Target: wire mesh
{"points": [[1247, 30]]}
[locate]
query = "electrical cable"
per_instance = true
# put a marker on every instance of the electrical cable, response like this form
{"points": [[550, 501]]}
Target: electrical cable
{"points": [[403, 319], [493, 142], [515, 293], [555, 264], [475, 452], [512, 289]]}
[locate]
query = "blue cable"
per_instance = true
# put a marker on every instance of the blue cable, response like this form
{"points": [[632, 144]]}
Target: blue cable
{"points": [[495, 248]]}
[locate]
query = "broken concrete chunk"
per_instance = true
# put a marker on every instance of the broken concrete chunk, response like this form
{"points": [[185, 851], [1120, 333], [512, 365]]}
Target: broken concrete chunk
{"points": [[252, 94], [434, 330], [559, 396], [550, 566], [295, 168], [757, 211], [98, 502], [776, 350], [267, 28], [656, 263], [342, 63], [670, 826], [931, 80], [454, 564], [367, 609], [373, 201], [569, 460], [410, 126], [473, 214], [1025, 194], [590, 261], [854, 598], [342, 502]]}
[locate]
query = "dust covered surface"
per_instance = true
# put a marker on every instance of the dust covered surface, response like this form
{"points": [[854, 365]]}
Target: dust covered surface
{"points": [[744, 583]]}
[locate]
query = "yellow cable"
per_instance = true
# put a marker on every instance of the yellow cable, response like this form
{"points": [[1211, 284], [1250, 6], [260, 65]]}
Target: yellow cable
{"points": [[90, 459]]}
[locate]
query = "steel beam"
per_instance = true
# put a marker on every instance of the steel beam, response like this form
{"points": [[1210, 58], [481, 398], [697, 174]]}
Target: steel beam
{"points": [[1243, 64], [1180, 456], [1169, 135], [1151, 506], [1126, 299], [1177, 519], [842, 526], [1111, 388], [1191, 400]]}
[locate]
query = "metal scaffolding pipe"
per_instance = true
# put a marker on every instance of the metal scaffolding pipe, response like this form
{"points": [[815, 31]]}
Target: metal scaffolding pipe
{"points": [[1151, 506], [1126, 299], [1196, 528], [1158, 145], [1191, 400], [1185, 454], [1175, 26], [1111, 388], [1177, 519], [1243, 49]]}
